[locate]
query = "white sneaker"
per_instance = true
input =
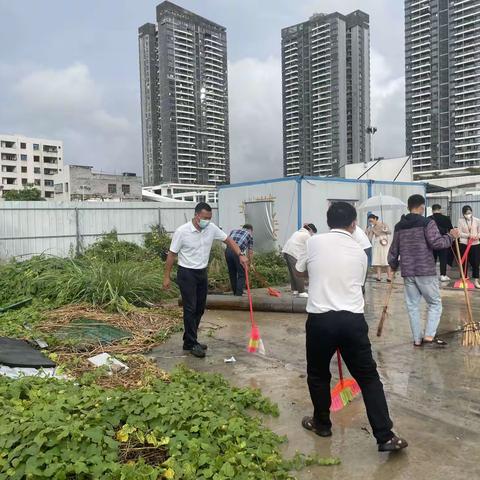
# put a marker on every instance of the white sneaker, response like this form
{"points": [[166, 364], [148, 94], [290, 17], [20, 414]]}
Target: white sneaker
{"points": [[294, 292], [476, 283], [444, 278], [303, 295]]}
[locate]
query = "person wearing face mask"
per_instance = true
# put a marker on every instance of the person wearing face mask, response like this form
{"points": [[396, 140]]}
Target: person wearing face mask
{"points": [[414, 240], [469, 227], [379, 234], [336, 265], [192, 243], [444, 225], [295, 247]]}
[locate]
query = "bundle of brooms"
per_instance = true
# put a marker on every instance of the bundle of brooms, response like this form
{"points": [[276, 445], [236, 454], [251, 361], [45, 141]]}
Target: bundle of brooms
{"points": [[471, 329]]}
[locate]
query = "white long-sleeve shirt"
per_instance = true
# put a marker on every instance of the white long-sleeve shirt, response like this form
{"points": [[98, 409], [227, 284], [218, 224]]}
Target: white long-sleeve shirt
{"points": [[296, 245]]}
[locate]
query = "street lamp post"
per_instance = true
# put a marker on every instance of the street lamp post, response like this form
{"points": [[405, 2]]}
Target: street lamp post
{"points": [[371, 131]]}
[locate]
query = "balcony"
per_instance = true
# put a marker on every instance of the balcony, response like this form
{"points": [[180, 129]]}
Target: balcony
{"points": [[7, 144], [50, 148], [12, 157]]}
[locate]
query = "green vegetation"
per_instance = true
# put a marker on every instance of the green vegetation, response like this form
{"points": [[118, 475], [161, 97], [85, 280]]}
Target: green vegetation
{"points": [[28, 193], [61, 430]]}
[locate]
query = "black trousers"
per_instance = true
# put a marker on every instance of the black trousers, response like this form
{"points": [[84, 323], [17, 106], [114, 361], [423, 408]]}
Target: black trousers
{"points": [[443, 256], [193, 288], [235, 271], [473, 258], [349, 332]]}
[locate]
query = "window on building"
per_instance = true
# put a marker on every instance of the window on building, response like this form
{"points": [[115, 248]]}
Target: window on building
{"points": [[126, 189], [36, 146], [36, 170], [36, 158], [49, 194], [48, 183], [24, 181], [23, 146], [24, 169], [36, 182], [66, 187], [23, 157], [112, 188]]}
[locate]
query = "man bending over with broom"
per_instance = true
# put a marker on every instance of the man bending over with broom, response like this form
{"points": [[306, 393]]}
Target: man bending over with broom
{"points": [[414, 240], [336, 265]]}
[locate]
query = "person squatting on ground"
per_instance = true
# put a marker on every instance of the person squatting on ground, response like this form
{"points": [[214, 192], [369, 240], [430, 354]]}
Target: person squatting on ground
{"points": [[336, 265], [444, 225], [469, 227], [415, 237], [294, 249], [243, 237], [379, 235], [192, 243]]}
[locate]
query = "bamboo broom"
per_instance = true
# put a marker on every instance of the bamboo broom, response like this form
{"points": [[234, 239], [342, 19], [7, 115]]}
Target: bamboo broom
{"points": [[471, 330]]}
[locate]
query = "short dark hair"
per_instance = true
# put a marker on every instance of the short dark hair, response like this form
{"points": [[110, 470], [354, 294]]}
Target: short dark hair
{"points": [[372, 215], [310, 226], [247, 226], [415, 201], [341, 215], [466, 208], [436, 207], [203, 206]]}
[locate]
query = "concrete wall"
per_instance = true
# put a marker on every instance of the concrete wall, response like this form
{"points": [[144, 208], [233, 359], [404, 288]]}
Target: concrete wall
{"points": [[30, 228]]}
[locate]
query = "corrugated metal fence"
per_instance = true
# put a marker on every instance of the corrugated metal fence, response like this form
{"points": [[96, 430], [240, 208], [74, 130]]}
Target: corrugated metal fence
{"points": [[63, 228]]}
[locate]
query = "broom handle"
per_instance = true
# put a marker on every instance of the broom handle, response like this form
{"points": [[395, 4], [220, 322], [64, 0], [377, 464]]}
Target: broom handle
{"points": [[464, 281], [249, 293], [339, 361], [384, 312]]}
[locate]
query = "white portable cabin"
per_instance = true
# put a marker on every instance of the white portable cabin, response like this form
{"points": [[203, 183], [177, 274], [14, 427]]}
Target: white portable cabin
{"points": [[278, 207]]}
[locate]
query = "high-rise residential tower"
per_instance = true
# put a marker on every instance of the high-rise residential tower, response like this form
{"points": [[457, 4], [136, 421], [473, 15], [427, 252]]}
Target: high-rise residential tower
{"points": [[326, 93], [442, 62], [184, 95]]}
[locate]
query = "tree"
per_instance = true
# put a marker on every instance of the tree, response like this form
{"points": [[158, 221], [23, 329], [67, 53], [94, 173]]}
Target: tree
{"points": [[28, 194]]}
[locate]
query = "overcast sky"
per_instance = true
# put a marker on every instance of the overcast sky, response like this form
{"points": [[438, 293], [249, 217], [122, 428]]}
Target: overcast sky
{"points": [[69, 71]]}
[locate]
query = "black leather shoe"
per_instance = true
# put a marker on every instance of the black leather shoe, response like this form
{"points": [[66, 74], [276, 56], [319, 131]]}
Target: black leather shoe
{"points": [[198, 351], [202, 345]]}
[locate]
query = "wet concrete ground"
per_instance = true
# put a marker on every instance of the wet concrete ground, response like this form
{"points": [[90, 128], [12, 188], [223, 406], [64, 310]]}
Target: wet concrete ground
{"points": [[434, 396]]}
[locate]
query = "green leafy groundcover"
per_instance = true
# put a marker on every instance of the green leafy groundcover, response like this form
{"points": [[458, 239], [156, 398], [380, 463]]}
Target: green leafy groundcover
{"points": [[197, 424]]}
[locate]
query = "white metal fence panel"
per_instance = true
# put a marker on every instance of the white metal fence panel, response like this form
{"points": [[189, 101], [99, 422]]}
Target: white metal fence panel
{"points": [[32, 228]]}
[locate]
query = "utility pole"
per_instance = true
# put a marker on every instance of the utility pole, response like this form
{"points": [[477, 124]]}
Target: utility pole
{"points": [[371, 131]]}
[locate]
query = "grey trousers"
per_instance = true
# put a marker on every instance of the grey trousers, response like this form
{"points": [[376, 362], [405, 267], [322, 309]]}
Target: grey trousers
{"points": [[297, 283]]}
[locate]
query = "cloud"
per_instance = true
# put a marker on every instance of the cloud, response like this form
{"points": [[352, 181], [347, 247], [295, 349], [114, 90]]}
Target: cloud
{"points": [[255, 101], [387, 107], [69, 104]]}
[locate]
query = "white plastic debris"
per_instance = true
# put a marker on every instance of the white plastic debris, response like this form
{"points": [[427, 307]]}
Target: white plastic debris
{"points": [[230, 360], [19, 372], [105, 359]]}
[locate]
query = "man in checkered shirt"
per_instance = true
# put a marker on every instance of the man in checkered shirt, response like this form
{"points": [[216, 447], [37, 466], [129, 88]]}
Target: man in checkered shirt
{"points": [[243, 237]]}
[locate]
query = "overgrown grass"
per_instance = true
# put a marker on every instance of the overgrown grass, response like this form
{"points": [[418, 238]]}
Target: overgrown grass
{"points": [[113, 286]]}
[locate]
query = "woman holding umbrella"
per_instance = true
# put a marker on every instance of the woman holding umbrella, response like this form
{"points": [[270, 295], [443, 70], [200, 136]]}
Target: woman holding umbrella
{"points": [[379, 235]]}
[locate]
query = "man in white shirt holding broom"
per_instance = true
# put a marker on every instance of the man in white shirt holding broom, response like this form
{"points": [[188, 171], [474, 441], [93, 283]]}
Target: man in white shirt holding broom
{"points": [[336, 266]]}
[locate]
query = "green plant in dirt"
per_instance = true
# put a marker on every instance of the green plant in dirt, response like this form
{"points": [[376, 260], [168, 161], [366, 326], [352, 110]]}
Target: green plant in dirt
{"points": [[21, 323], [157, 241], [28, 193], [271, 268], [195, 427], [115, 286], [112, 250], [17, 279]]}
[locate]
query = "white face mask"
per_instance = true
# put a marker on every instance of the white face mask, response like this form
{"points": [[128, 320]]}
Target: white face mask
{"points": [[203, 224], [468, 216]]}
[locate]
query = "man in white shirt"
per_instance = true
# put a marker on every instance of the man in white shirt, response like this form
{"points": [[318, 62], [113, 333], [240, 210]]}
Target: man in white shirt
{"points": [[336, 266], [295, 248], [192, 243]]}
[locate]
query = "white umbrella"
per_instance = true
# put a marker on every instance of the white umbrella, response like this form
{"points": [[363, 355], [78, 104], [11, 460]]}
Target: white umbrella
{"points": [[382, 202]]}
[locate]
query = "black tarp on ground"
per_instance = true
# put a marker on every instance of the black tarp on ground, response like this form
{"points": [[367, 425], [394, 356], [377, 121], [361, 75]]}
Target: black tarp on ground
{"points": [[19, 353]]}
